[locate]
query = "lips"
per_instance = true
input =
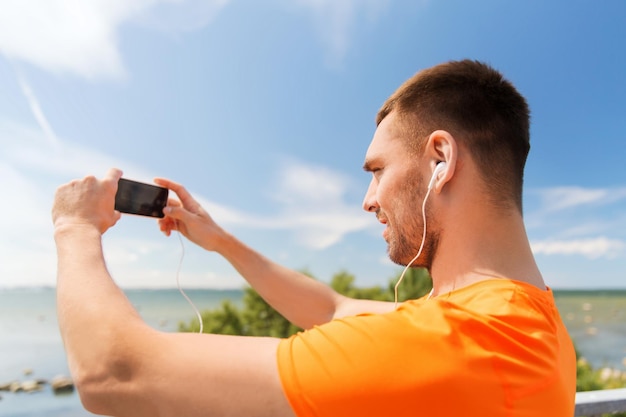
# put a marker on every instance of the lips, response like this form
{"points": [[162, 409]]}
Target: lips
{"points": [[384, 222]]}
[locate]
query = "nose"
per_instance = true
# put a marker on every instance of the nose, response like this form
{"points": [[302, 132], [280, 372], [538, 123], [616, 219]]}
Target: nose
{"points": [[370, 203]]}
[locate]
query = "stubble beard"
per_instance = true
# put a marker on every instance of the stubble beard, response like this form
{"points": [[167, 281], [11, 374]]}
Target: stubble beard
{"points": [[405, 236]]}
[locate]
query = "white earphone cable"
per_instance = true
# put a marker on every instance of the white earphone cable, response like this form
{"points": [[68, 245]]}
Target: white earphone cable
{"points": [[180, 264], [419, 252]]}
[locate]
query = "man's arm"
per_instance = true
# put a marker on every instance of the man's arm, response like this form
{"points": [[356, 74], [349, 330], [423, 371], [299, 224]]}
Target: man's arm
{"points": [[299, 298], [123, 367]]}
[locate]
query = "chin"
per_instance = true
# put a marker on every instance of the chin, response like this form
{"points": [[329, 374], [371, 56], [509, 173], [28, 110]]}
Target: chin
{"points": [[406, 258], [398, 260]]}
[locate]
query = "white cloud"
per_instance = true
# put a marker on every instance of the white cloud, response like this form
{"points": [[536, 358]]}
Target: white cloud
{"points": [[35, 108], [591, 248], [175, 16], [334, 21], [299, 183], [314, 205], [568, 220], [562, 198], [81, 36]]}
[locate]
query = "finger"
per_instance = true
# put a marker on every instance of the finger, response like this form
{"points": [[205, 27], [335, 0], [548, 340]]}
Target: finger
{"points": [[164, 182], [173, 202], [166, 225], [113, 174], [111, 179], [185, 197], [175, 213]]}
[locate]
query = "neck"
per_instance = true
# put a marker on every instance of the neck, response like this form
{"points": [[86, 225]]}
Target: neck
{"points": [[481, 247]]}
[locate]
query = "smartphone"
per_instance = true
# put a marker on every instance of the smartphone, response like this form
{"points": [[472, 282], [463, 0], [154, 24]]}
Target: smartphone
{"points": [[139, 198]]}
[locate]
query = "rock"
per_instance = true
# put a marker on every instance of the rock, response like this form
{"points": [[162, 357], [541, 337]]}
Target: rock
{"points": [[16, 387], [28, 371], [32, 385], [6, 386], [62, 384]]}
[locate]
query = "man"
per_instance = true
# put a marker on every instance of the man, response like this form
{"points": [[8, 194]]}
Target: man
{"points": [[447, 162]]}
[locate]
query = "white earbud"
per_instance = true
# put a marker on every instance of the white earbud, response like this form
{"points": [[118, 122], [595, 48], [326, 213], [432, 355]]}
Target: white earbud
{"points": [[441, 166]]}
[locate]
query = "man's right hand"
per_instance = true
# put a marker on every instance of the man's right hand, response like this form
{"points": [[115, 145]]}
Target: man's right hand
{"points": [[188, 217]]}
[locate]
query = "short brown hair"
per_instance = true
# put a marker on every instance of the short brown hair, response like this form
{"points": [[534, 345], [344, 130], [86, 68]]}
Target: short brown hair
{"points": [[481, 109]]}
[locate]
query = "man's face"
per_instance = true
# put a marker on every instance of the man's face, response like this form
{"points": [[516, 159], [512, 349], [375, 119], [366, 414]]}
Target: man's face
{"points": [[396, 193]]}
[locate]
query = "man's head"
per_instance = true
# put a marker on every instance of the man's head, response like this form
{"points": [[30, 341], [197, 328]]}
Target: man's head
{"points": [[458, 108], [483, 111]]}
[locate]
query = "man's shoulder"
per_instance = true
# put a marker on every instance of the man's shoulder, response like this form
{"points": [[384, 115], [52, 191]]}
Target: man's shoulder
{"points": [[490, 304], [492, 295]]}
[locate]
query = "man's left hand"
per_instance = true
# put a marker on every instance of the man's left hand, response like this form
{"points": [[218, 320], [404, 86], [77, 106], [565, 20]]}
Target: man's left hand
{"points": [[87, 202]]}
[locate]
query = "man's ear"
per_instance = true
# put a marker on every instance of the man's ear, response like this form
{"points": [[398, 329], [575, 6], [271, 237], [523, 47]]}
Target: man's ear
{"points": [[442, 147]]}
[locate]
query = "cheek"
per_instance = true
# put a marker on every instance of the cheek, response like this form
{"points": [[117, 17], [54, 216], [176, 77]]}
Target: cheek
{"points": [[401, 204], [391, 204], [383, 196]]}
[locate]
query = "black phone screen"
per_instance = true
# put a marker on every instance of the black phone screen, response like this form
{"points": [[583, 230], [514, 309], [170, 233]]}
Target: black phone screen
{"points": [[139, 198]]}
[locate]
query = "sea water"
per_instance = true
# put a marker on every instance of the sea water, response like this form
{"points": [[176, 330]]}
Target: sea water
{"points": [[596, 321], [31, 346]]}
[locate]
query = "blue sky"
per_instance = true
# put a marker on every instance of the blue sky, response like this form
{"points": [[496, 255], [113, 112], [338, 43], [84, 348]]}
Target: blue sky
{"points": [[264, 110]]}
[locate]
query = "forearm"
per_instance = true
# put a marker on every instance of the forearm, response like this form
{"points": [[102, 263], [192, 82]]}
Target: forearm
{"points": [[93, 312], [301, 299]]}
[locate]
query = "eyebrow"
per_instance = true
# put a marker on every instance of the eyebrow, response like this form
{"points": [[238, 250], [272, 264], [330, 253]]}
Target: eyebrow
{"points": [[373, 160]]}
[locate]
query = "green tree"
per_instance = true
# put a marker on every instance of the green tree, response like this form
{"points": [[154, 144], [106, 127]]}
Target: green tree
{"points": [[343, 283], [224, 320], [256, 318], [260, 319], [590, 379], [415, 284]]}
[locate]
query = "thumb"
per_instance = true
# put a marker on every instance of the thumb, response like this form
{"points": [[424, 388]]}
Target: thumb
{"points": [[179, 215], [175, 219], [175, 212]]}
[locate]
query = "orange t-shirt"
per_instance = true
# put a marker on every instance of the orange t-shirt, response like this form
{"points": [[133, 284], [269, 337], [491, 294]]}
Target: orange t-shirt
{"points": [[494, 348]]}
